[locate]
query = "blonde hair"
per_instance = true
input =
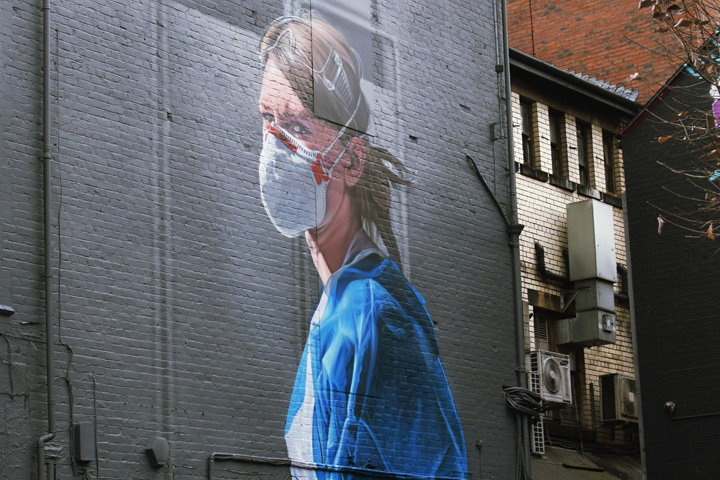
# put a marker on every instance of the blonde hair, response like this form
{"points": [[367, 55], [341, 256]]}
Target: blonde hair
{"points": [[325, 73]]}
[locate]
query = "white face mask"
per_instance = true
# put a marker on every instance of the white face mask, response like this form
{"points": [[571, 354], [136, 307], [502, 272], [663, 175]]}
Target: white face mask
{"points": [[293, 182]]}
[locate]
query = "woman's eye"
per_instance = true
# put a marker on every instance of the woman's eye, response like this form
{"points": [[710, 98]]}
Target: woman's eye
{"points": [[297, 129], [268, 117]]}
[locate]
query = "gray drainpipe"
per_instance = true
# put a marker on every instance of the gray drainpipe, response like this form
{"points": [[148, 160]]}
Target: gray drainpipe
{"points": [[49, 354], [514, 230]]}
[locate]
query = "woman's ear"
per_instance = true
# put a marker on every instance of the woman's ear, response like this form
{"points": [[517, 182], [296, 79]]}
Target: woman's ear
{"points": [[355, 163]]}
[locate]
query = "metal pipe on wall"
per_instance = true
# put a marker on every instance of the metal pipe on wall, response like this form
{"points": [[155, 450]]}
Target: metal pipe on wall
{"points": [[514, 230], [49, 352]]}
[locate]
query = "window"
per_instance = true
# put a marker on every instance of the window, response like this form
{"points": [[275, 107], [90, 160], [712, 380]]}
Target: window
{"points": [[583, 144], [609, 156], [527, 133], [556, 122]]}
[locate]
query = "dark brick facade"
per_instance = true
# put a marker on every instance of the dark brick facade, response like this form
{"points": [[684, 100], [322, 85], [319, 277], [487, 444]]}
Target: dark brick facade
{"points": [[674, 278]]}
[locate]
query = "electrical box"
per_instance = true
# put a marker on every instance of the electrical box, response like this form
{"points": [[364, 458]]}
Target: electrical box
{"points": [[83, 435], [158, 452], [594, 294], [590, 328], [591, 241]]}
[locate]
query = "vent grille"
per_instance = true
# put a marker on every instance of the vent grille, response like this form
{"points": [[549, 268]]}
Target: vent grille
{"points": [[541, 328]]}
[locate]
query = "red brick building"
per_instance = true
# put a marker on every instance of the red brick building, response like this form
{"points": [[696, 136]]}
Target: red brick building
{"points": [[610, 41]]}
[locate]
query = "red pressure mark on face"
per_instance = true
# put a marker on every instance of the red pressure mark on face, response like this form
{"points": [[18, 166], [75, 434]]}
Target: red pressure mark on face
{"points": [[318, 171], [283, 138]]}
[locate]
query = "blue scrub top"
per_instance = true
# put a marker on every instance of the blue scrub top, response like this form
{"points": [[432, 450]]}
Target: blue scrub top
{"points": [[380, 400]]}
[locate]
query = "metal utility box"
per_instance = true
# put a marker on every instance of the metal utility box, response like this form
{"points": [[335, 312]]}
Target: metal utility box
{"points": [[591, 241], [83, 436], [590, 328], [594, 294]]}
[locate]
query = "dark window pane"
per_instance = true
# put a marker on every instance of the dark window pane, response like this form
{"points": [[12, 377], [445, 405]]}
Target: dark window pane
{"points": [[556, 120], [527, 133], [608, 154], [583, 142]]}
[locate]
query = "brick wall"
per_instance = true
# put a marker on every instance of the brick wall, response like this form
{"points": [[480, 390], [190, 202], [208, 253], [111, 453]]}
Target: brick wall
{"points": [[607, 41], [179, 311], [674, 282], [542, 203]]}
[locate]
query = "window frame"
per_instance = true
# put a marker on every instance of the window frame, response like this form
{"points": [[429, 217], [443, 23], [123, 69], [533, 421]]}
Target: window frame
{"points": [[528, 132], [608, 140], [556, 120], [583, 132]]}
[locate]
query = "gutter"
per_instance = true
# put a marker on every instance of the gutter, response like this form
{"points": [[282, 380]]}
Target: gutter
{"points": [[49, 352]]}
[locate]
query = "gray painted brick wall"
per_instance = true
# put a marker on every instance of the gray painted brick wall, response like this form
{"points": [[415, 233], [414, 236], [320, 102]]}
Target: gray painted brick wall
{"points": [[180, 311]]}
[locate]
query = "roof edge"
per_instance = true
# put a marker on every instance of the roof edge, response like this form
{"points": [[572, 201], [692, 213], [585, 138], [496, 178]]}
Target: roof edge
{"points": [[581, 85], [674, 78]]}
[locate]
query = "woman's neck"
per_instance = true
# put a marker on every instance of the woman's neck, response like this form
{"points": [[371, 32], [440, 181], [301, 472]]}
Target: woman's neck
{"points": [[329, 246]]}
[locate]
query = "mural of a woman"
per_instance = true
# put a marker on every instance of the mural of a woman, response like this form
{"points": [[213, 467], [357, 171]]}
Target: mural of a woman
{"points": [[371, 394]]}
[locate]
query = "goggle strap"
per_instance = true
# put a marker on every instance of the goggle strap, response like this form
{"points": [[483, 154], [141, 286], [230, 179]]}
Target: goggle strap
{"points": [[285, 137]]}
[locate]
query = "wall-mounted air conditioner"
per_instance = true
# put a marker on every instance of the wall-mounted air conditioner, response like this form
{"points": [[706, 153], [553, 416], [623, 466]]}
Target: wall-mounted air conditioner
{"points": [[550, 376], [619, 400]]}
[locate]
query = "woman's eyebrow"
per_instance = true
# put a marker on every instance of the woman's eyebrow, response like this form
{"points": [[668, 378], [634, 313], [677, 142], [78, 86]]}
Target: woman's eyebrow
{"points": [[284, 111], [291, 115]]}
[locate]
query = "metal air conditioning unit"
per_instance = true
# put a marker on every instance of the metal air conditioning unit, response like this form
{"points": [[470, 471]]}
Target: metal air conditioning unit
{"points": [[619, 400], [551, 374]]}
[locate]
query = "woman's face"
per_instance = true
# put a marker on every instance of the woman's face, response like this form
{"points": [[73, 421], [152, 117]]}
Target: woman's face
{"points": [[279, 103]]}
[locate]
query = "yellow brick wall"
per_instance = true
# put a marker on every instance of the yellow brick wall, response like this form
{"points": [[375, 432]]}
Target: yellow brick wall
{"points": [[541, 127], [619, 169], [569, 137], [542, 210], [597, 163]]}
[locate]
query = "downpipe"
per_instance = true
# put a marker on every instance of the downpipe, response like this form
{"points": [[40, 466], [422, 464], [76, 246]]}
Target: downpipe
{"points": [[514, 230], [43, 471], [48, 474]]}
